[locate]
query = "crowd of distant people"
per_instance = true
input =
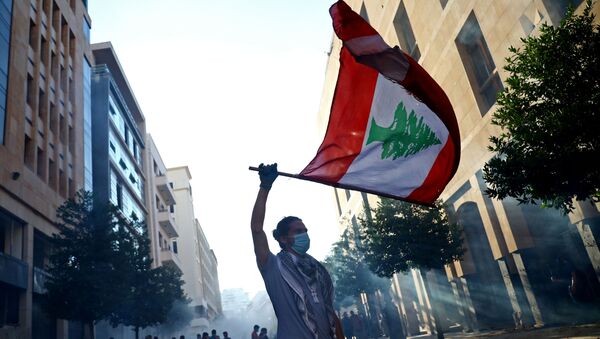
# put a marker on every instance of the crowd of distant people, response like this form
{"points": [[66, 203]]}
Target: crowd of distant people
{"points": [[257, 333]]}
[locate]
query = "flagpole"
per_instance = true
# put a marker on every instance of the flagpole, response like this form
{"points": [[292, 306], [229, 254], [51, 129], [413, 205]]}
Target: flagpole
{"points": [[350, 187], [283, 174]]}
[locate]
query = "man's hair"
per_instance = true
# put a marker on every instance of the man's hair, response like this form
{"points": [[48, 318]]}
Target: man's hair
{"points": [[264, 329], [213, 331], [256, 327], [283, 227], [225, 333]]}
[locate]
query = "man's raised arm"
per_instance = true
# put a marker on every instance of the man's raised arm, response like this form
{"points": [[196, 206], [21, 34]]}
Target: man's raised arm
{"points": [[267, 174]]}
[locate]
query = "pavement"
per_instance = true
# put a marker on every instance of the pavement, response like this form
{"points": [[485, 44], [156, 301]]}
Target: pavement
{"points": [[587, 331]]}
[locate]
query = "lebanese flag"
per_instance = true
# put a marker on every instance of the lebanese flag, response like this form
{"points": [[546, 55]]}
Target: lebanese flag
{"points": [[392, 130]]}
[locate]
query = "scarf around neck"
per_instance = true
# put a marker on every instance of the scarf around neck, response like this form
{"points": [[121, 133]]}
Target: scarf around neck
{"points": [[306, 271]]}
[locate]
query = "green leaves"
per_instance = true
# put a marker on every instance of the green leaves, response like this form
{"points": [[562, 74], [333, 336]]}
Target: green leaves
{"points": [[100, 268], [407, 135], [401, 236], [550, 117]]}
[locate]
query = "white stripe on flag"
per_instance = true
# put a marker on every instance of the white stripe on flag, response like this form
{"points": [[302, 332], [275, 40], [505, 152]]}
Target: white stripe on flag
{"points": [[364, 45], [401, 176]]}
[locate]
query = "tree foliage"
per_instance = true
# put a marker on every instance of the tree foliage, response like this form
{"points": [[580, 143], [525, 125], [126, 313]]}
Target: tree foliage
{"points": [[550, 117], [349, 272], [100, 268], [401, 235]]}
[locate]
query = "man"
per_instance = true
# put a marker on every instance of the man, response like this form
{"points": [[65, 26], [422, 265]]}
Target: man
{"points": [[254, 334], [300, 287], [213, 334], [263, 333], [226, 335], [347, 326]]}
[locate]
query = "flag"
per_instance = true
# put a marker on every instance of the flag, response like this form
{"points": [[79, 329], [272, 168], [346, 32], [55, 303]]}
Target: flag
{"points": [[392, 130]]}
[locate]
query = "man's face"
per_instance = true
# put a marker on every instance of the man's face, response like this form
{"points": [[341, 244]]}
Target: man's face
{"points": [[296, 227]]}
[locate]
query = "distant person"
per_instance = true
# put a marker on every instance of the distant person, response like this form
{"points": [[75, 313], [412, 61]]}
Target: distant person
{"points": [[347, 325], [358, 326], [300, 287], [226, 335], [205, 335], [214, 334], [263, 334], [254, 334], [182, 337]]}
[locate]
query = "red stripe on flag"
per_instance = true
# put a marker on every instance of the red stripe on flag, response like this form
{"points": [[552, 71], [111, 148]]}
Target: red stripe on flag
{"points": [[439, 175], [422, 86], [347, 24], [348, 121]]}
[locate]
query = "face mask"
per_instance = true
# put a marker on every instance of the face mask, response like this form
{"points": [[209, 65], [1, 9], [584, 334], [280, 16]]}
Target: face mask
{"points": [[301, 243]]}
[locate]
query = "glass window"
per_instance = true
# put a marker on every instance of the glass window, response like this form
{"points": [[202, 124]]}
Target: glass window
{"points": [[363, 12], [478, 63], [5, 23], [86, 31], [405, 34], [87, 124]]}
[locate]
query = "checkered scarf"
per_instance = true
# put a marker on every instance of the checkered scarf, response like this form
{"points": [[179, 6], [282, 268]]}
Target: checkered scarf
{"points": [[308, 272]]}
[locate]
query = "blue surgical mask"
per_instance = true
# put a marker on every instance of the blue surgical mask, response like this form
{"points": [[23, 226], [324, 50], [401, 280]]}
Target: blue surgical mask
{"points": [[301, 243]]}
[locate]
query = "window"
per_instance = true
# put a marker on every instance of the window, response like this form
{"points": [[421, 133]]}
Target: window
{"points": [[9, 304], [28, 152], [63, 129], [405, 34], [363, 12], [71, 140], [347, 194], [44, 50], [53, 118], [32, 35], [112, 146], [52, 174], [478, 63], [62, 183], [30, 91], [119, 195], [42, 104], [122, 164], [172, 208], [41, 164], [5, 23], [174, 246]]}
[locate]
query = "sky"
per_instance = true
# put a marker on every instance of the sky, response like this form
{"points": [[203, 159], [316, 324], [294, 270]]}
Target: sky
{"points": [[225, 85]]}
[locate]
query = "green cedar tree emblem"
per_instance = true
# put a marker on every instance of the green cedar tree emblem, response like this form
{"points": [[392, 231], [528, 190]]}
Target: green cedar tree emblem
{"points": [[406, 136]]}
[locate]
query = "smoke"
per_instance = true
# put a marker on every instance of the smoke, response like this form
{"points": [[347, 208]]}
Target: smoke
{"points": [[240, 324]]}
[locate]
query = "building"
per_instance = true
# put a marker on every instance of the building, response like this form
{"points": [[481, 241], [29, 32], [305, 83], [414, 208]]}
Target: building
{"points": [[198, 261], [520, 258], [234, 301], [210, 275], [162, 228], [118, 134], [45, 144]]}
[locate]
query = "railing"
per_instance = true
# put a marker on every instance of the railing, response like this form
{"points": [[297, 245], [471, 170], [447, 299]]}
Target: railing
{"points": [[13, 271]]}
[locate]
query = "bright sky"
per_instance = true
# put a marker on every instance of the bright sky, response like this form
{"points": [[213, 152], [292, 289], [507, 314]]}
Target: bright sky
{"points": [[225, 85]]}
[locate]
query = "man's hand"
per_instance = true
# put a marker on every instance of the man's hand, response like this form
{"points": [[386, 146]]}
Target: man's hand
{"points": [[267, 174]]}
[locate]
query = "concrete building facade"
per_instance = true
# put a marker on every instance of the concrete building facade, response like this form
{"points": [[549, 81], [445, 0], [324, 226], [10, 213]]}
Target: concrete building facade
{"points": [[520, 259], [198, 262], [161, 223], [118, 134], [45, 66]]}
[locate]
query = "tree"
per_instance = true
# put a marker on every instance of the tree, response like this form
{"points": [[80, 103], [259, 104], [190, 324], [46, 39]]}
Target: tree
{"points": [[153, 294], [89, 261], [550, 117], [400, 236], [100, 268], [350, 275]]}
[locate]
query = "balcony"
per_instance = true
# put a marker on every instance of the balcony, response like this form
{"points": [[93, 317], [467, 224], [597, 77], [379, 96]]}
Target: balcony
{"points": [[167, 257], [165, 190], [166, 221], [13, 271]]}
